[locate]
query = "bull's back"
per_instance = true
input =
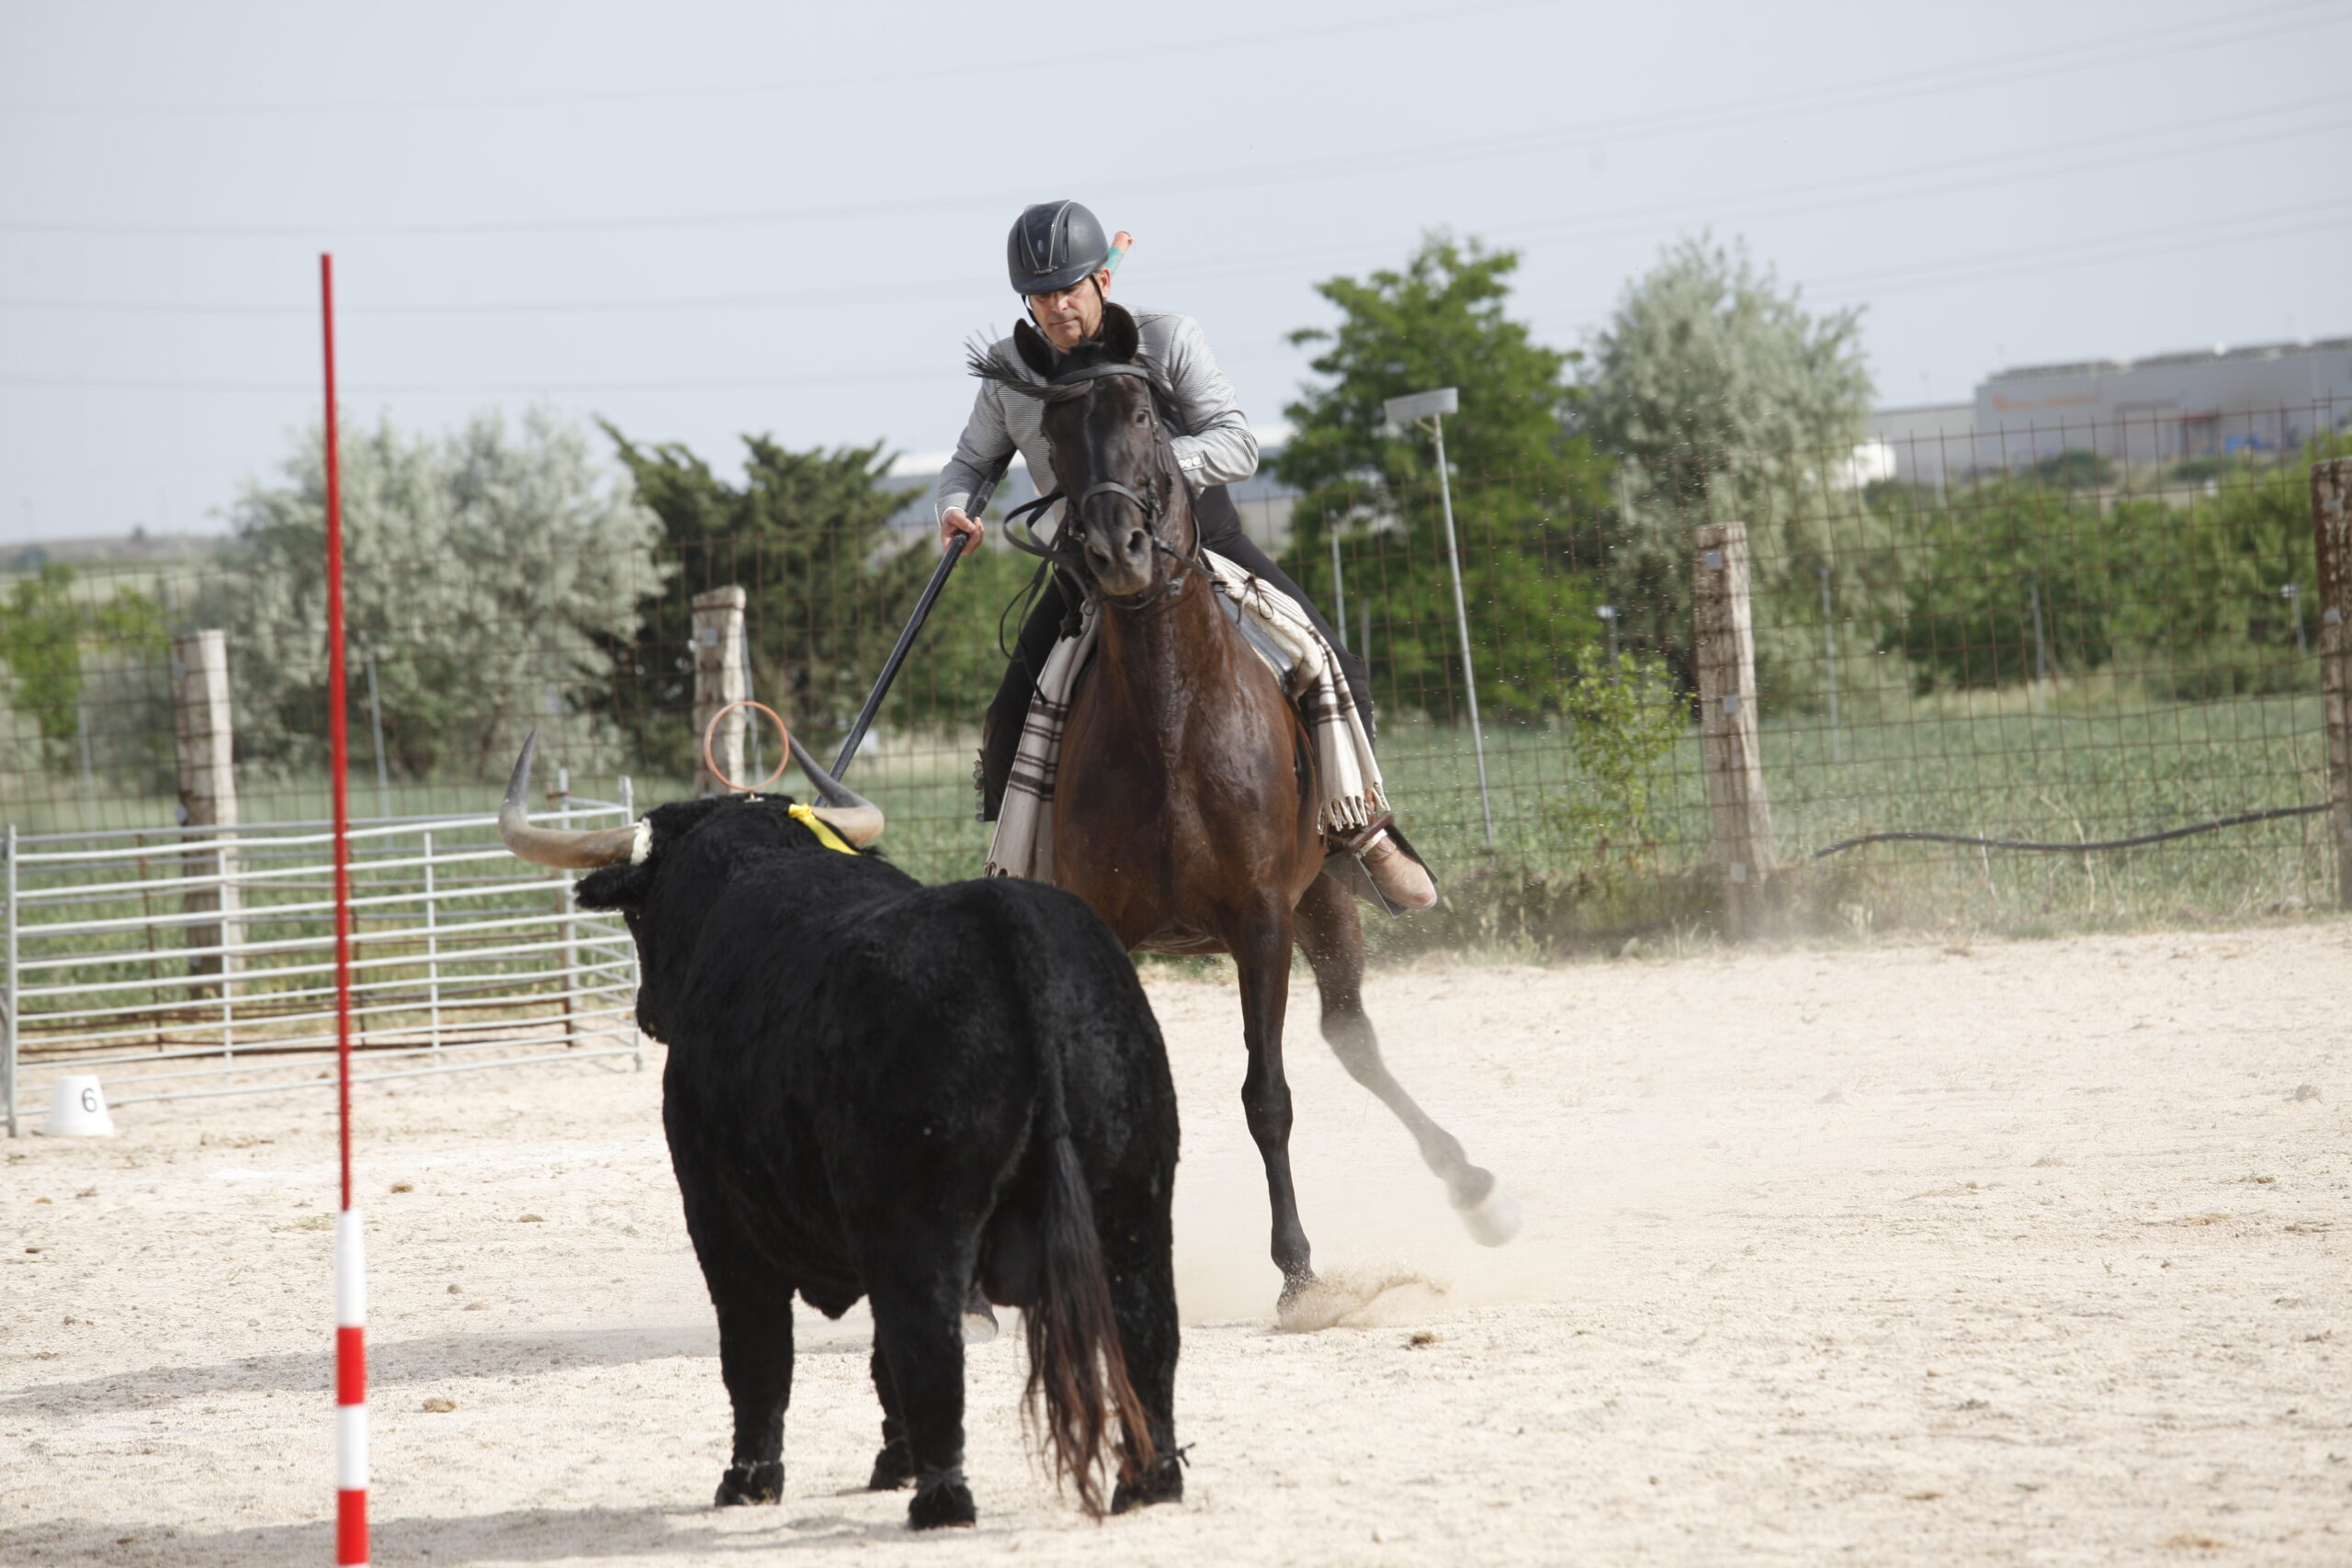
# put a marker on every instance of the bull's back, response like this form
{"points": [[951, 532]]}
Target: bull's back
{"points": [[831, 1067]]}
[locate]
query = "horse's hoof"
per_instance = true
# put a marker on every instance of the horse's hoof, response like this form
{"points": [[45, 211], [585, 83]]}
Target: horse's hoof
{"points": [[979, 1324], [940, 1499], [1494, 1219], [893, 1466], [744, 1484], [1305, 1305]]}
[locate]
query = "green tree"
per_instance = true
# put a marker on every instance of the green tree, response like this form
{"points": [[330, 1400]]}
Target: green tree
{"points": [[490, 574], [74, 656], [806, 536], [2183, 594], [1622, 725], [1520, 482], [1726, 399], [1990, 568], [47, 634]]}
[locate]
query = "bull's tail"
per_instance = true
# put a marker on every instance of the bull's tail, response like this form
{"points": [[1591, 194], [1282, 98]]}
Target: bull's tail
{"points": [[1076, 1364]]}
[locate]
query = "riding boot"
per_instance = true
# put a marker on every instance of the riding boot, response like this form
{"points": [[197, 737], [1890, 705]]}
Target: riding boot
{"points": [[1379, 863]]}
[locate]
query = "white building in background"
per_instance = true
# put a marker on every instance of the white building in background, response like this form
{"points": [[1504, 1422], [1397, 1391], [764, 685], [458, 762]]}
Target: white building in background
{"points": [[2268, 398], [2161, 408], [1927, 443]]}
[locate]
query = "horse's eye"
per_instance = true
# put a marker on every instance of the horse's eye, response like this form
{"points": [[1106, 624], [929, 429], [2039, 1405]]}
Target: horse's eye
{"points": [[1142, 417]]}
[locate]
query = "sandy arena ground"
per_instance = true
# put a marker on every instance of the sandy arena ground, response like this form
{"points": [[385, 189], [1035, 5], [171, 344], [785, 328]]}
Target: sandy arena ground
{"points": [[2032, 1253]]}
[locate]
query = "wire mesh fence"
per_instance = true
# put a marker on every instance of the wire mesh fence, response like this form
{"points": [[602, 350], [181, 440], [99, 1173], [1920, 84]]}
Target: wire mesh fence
{"points": [[2056, 636]]}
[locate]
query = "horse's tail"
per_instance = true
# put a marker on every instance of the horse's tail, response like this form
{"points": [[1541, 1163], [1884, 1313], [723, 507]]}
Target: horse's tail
{"points": [[1076, 1363]]}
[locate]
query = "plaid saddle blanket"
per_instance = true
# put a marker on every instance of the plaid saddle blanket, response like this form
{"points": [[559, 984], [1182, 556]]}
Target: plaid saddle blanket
{"points": [[1281, 636]]}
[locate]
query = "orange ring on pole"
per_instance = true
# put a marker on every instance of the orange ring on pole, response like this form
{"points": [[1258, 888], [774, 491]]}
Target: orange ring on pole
{"points": [[710, 764]]}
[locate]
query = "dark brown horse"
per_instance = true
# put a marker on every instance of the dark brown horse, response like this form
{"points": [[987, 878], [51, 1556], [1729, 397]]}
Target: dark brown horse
{"points": [[1188, 804]]}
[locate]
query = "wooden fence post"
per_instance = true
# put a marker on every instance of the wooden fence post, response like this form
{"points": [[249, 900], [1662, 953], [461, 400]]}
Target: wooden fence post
{"points": [[203, 743], [1742, 816], [2332, 523], [718, 680]]}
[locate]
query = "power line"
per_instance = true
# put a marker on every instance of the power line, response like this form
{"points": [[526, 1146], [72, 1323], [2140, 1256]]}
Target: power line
{"points": [[2246, 228], [1978, 269], [1779, 202], [1027, 65], [1850, 191], [2265, 26], [2240, 230]]}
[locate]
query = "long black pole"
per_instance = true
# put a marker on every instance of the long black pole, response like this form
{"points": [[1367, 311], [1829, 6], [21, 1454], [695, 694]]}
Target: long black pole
{"points": [[976, 507]]}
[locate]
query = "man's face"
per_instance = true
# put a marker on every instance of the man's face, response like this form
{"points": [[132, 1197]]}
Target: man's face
{"points": [[1075, 314]]}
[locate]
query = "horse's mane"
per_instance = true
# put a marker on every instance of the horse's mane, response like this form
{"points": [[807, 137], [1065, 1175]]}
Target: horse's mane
{"points": [[990, 363]]}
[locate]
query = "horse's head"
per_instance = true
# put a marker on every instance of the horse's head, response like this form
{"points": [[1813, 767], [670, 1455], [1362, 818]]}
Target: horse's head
{"points": [[1123, 496]]}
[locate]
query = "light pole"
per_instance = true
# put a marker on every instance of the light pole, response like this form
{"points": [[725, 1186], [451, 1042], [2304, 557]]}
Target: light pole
{"points": [[1403, 414]]}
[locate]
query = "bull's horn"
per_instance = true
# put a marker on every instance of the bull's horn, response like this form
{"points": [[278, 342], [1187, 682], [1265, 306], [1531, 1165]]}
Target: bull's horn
{"points": [[571, 849], [844, 810]]}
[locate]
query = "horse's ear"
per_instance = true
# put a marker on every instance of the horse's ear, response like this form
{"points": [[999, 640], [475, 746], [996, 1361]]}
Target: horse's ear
{"points": [[1034, 351], [1121, 338]]}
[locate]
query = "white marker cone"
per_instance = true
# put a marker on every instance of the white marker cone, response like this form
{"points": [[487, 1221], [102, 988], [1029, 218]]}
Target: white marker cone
{"points": [[77, 1109]]}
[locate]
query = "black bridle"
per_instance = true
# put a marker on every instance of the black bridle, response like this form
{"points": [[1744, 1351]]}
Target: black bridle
{"points": [[1073, 386]]}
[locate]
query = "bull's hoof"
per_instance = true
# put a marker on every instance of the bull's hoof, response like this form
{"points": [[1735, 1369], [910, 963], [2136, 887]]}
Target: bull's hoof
{"points": [[893, 1466], [940, 1499], [760, 1483], [1164, 1485], [1494, 1218]]}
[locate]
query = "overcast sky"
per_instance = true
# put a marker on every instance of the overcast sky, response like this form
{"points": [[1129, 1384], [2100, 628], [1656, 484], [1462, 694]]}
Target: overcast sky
{"points": [[698, 220]]}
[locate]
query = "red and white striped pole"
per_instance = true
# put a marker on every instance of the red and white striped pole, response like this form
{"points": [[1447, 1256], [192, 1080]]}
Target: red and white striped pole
{"points": [[350, 1263]]}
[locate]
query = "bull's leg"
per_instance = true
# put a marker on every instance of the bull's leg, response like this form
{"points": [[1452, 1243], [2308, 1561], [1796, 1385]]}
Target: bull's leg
{"points": [[1262, 956], [1143, 1298], [979, 1317], [918, 1324], [1333, 937], [755, 1362], [893, 1466]]}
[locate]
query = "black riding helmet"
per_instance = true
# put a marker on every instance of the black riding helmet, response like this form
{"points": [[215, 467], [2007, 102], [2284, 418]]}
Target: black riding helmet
{"points": [[1052, 245]]}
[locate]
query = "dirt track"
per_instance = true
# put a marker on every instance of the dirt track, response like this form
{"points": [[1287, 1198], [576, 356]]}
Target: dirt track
{"points": [[2028, 1253]]}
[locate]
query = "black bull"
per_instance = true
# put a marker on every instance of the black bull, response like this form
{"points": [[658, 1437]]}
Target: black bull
{"points": [[878, 1089]]}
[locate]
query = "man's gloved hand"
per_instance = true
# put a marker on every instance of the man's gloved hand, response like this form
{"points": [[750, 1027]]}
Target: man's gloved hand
{"points": [[953, 522]]}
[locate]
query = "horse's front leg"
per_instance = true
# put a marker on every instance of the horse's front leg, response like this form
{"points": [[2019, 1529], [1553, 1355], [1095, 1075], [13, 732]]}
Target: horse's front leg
{"points": [[1262, 950], [1330, 931]]}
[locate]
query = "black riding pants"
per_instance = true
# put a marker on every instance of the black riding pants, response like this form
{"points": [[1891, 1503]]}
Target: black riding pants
{"points": [[1220, 530]]}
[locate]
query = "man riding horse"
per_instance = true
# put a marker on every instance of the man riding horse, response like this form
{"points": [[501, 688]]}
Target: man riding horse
{"points": [[1058, 257]]}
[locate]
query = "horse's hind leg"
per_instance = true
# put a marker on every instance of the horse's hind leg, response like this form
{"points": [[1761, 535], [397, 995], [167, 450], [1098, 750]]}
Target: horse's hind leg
{"points": [[1333, 939]]}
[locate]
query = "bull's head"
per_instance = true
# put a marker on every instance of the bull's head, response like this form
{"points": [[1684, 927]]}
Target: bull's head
{"points": [[844, 810]]}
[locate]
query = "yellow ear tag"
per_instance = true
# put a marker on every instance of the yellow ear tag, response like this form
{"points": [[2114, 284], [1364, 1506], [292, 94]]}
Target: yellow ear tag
{"points": [[817, 825]]}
